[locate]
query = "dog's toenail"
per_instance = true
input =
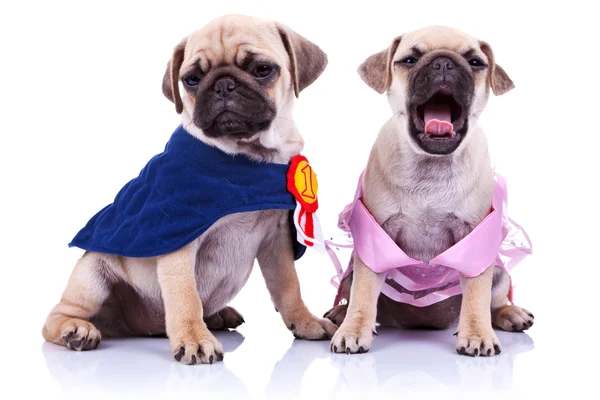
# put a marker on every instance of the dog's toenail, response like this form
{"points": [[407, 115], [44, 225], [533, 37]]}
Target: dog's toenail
{"points": [[193, 359], [497, 349], [180, 354], [211, 359], [361, 350], [66, 337], [347, 350], [489, 352], [292, 327], [514, 327], [335, 348], [476, 352]]}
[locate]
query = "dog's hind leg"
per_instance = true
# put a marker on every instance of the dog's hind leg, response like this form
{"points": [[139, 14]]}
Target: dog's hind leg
{"points": [[337, 314], [88, 287], [506, 316], [227, 318]]}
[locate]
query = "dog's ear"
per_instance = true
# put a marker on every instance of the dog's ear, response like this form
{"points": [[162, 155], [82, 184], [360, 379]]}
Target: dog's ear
{"points": [[376, 70], [498, 79], [307, 60], [170, 83]]}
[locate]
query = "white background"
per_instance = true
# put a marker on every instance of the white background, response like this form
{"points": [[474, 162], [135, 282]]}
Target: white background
{"points": [[81, 111]]}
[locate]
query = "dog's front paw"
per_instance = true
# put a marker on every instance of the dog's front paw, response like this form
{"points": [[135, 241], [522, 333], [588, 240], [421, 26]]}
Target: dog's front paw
{"points": [[513, 318], [353, 337], [309, 327], [477, 341], [200, 347]]}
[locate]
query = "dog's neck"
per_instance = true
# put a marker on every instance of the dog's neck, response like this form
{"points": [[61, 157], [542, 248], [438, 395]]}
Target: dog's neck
{"points": [[278, 144]]}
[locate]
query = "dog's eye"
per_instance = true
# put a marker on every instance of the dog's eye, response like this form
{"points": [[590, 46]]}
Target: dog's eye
{"points": [[476, 62], [263, 70], [191, 80], [409, 60]]}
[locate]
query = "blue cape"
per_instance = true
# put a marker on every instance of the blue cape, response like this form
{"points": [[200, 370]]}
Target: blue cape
{"points": [[179, 194]]}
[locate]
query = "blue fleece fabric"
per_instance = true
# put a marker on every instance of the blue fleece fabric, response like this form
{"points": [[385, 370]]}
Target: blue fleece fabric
{"points": [[179, 194]]}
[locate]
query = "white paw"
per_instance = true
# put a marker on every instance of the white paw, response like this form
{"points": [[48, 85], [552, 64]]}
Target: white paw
{"points": [[353, 337], [478, 341], [202, 348]]}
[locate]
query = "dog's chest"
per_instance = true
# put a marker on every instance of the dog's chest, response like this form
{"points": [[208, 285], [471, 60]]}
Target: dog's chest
{"points": [[226, 254], [424, 226]]}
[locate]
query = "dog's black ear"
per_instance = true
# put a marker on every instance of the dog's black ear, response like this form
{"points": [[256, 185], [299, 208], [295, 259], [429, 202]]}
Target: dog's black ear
{"points": [[307, 60], [376, 70], [498, 79], [170, 83]]}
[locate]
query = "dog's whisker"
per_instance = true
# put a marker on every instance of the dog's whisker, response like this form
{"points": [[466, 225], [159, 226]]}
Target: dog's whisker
{"points": [[277, 130], [400, 113], [285, 119]]}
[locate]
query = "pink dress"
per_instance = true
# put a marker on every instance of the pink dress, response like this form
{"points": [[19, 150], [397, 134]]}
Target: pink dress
{"points": [[496, 240]]}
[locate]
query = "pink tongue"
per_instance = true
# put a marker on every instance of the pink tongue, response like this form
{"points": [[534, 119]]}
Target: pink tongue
{"points": [[437, 119]]}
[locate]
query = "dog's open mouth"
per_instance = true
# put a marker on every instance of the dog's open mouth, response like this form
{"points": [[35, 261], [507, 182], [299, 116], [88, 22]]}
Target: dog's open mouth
{"points": [[439, 116]]}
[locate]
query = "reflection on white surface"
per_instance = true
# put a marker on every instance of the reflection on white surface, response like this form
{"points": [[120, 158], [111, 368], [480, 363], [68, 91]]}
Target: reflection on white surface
{"points": [[401, 361], [122, 367]]}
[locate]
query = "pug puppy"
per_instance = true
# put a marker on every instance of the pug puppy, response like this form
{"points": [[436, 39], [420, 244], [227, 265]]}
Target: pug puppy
{"points": [[428, 182], [234, 83]]}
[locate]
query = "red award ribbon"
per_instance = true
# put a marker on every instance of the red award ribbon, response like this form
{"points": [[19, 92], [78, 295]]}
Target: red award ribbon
{"points": [[302, 183]]}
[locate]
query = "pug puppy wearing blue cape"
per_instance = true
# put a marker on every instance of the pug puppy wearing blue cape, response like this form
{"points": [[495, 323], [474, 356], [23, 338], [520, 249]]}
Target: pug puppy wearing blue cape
{"points": [[231, 187]]}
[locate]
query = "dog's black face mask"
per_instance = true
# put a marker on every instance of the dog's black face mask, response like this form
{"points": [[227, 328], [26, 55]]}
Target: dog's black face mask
{"points": [[440, 91], [232, 101]]}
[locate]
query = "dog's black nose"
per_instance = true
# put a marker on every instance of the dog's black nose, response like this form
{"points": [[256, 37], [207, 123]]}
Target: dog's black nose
{"points": [[224, 85], [443, 63]]}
